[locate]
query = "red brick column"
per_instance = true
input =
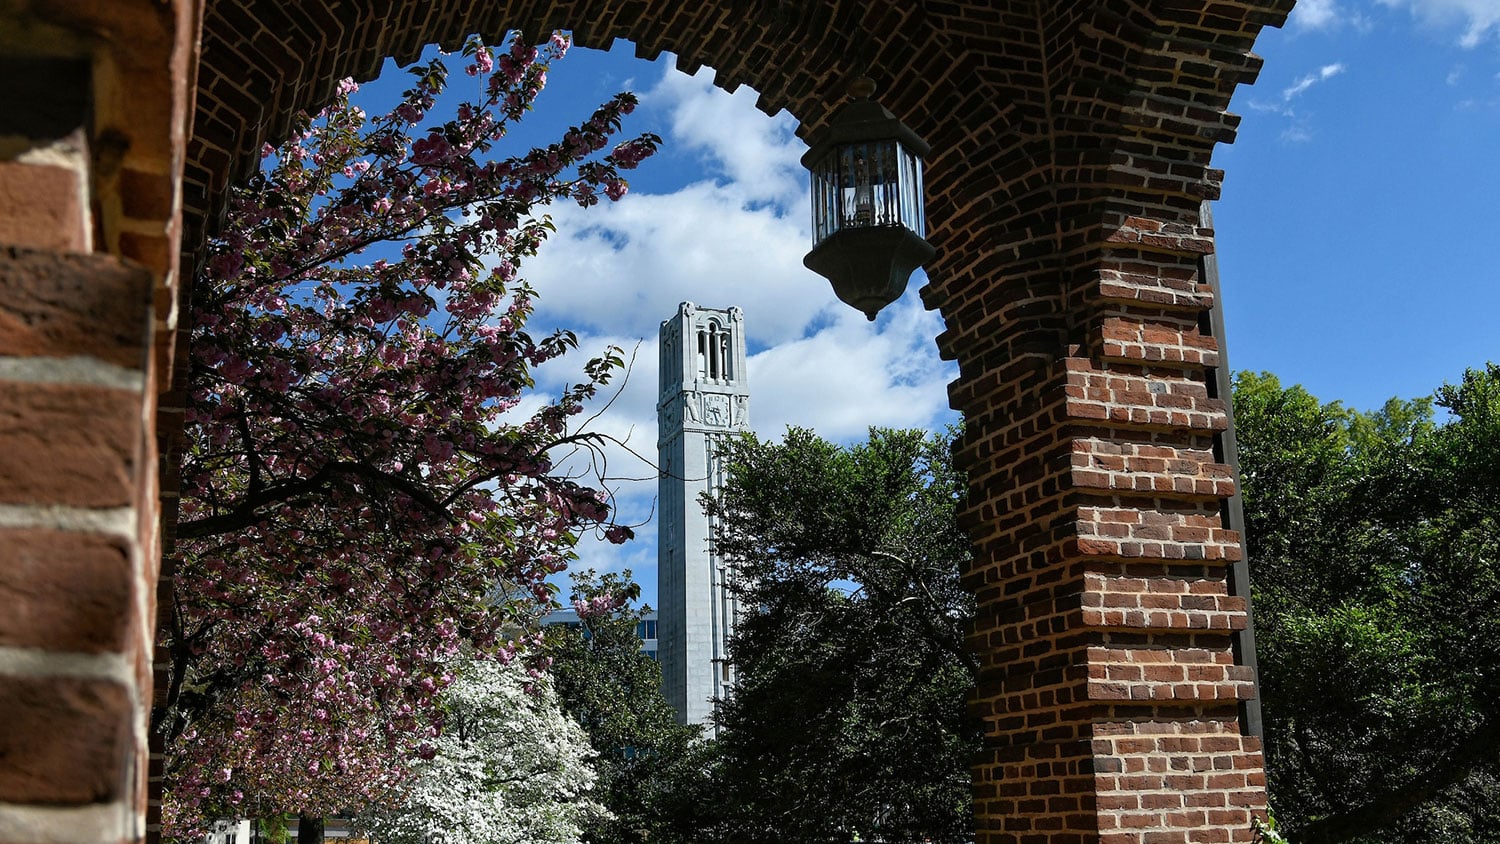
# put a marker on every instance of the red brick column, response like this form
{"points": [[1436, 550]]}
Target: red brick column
{"points": [[1110, 685], [97, 95], [1069, 278], [76, 465]]}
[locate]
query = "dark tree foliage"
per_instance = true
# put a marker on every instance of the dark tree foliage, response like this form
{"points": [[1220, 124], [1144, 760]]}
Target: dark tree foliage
{"points": [[1375, 552], [848, 719], [613, 689]]}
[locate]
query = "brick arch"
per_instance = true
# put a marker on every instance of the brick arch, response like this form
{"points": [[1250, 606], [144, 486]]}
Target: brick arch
{"points": [[266, 60], [1073, 144]]}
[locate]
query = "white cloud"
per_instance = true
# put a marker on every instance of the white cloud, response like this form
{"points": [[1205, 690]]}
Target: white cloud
{"points": [[1317, 14], [622, 268], [736, 236], [1480, 19], [617, 270], [1327, 71], [1297, 133], [759, 154], [847, 377], [1272, 107]]}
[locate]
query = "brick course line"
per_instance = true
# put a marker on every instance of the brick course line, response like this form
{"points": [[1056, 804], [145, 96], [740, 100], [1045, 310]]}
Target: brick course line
{"points": [[112, 521], [107, 822], [82, 371], [33, 662]]}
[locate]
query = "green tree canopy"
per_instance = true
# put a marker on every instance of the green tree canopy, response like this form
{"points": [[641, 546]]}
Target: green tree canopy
{"points": [[608, 683], [848, 717], [1374, 546]]}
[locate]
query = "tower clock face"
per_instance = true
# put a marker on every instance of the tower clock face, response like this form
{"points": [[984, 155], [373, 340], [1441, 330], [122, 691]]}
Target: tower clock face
{"points": [[716, 410]]}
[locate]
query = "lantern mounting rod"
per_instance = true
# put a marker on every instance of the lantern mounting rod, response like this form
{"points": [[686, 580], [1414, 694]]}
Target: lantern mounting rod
{"points": [[862, 87]]}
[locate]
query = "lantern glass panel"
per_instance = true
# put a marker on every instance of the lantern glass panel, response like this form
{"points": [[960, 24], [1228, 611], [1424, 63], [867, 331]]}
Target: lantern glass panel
{"points": [[865, 185], [825, 198], [913, 214]]}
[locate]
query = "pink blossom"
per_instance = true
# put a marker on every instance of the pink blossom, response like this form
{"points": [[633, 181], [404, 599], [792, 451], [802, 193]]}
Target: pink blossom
{"points": [[430, 150], [630, 154], [316, 366]]}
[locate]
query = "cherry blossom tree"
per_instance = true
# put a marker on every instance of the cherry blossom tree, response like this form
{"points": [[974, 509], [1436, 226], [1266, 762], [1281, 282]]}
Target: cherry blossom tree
{"points": [[368, 485], [509, 767]]}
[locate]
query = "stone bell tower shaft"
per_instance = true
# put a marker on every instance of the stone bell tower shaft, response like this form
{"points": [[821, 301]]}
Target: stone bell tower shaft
{"points": [[704, 398]]}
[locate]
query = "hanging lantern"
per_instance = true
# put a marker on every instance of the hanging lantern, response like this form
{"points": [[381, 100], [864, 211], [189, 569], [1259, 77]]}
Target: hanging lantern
{"points": [[868, 218]]}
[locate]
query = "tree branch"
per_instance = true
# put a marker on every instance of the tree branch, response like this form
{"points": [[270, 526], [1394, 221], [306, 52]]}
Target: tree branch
{"points": [[947, 639], [1454, 767], [250, 509]]}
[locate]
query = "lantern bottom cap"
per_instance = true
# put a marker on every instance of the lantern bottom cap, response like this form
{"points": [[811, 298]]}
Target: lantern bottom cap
{"points": [[869, 267]]}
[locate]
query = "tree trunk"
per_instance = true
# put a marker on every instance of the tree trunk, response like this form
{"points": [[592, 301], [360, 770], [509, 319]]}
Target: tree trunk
{"points": [[309, 830]]}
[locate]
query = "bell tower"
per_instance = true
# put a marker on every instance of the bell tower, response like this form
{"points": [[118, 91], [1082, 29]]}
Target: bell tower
{"points": [[704, 399]]}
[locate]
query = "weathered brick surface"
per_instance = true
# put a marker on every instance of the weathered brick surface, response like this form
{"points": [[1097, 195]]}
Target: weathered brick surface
{"points": [[68, 444], [41, 207], [1161, 340], [64, 305], [104, 109], [64, 591], [1193, 781], [145, 196], [63, 740]]}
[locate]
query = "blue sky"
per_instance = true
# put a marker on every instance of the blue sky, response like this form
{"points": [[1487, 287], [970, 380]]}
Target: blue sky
{"points": [[1357, 235], [1358, 226]]}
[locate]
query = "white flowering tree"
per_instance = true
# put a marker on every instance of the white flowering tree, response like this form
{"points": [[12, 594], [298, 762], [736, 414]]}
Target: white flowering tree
{"points": [[509, 767]]}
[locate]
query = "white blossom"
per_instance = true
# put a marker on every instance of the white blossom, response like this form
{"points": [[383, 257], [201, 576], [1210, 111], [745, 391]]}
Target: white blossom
{"points": [[510, 767]]}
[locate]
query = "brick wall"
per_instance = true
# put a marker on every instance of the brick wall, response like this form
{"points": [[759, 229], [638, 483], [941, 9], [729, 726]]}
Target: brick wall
{"points": [[91, 142], [1073, 148]]}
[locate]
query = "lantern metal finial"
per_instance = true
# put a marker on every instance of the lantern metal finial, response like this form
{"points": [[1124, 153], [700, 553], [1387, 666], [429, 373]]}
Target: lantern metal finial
{"points": [[868, 216]]}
